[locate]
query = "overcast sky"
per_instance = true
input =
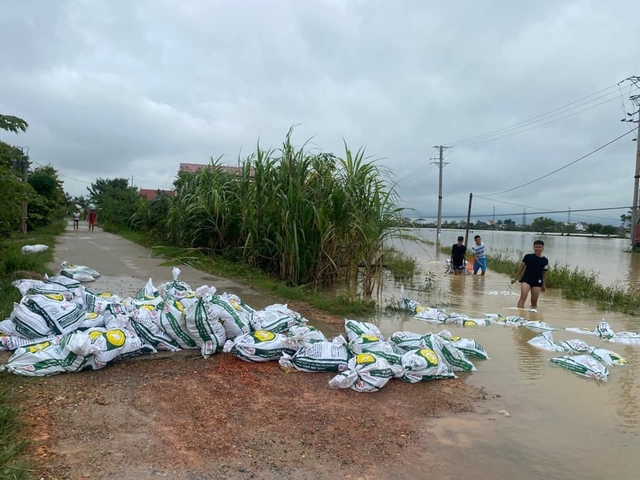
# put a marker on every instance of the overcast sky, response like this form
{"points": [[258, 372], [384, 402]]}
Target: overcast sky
{"points": [[120, 88]]}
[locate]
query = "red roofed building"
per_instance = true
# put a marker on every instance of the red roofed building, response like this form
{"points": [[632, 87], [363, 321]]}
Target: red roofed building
{"points": [[149, 194]]}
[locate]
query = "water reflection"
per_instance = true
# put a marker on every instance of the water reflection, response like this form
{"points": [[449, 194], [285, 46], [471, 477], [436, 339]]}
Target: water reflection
{"points": [[627, 405], [529, 358]]}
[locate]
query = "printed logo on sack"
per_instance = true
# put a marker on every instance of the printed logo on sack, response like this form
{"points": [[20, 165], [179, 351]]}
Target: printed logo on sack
{"points": [[369, 338], [455, 339], [40, 346], [263, 335], [115, 339], [470, 323], [179, 306], [93, 335], [105, 295], [235, 304], [429, 355], [617, 358], [55, 296], [365, 359], [91, 316]]}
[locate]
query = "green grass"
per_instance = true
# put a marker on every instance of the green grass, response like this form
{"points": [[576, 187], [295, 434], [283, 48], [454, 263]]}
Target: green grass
{"points": [[14, 265], [401, 266], [577, 284]]}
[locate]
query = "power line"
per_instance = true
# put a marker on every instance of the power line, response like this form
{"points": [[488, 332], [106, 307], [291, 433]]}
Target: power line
{"points": [[561, 168], [529, 120], [513, 214]]}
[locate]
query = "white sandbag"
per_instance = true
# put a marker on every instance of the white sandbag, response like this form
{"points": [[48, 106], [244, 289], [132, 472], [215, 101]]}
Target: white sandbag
{"points": [[259, 346], [625, 338], [146, 322], [544, 341], [114, 345], [584, 365], [71, 270], [70, 283], [374, 344], [468, 346], [53, 289], [604, 330], [583, 331], [511, 321], [355, 329], [91, 320], [366, 372], [173, 322], [34, 248], [448, 353], [7, 327], [537, 325], [29, 324], [299, 335], [175, 289], [575, 346], [424, 365], [23, 285], [277, 318], [318, 357], [428, 314], [464, 321], [607, 357], [97, 303], [50, 357], [234, 317], [406, 341], [204, 327], [12, 342], [147, 294]]}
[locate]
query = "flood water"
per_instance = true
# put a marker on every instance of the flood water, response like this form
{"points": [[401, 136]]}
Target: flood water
{"points": [[562, 426]]}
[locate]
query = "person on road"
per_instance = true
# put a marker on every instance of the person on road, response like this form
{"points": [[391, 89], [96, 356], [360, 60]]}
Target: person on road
{"points": [[534, 280], [480, 260], [76, 220], [458, 251], [92, 220]]}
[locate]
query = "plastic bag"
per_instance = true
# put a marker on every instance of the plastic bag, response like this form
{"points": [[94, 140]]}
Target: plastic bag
{"points": [[366, 372]]}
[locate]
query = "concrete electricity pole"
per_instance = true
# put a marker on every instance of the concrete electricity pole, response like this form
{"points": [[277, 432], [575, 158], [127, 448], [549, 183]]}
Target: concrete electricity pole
{"points": [[441, 149], [22, 164], [634, 209]]}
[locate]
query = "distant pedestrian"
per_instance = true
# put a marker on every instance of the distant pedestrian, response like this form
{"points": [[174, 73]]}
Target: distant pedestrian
{"points": [[92, 220], [534, 280], [480, 259], [76, 220], [458, 251]]}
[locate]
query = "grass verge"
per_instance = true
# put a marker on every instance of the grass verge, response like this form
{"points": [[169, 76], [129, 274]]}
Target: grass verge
{"points": [[14, 265]]}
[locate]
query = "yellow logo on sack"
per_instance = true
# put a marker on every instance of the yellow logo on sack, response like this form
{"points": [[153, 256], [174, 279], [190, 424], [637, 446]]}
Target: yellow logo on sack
{"points": [[430, 356], [263, 335], [55, 296], [95, 334], [617, 358], [365, 359], [455, 339], [91, 315], [105, 295], [179, 306], [151, 308], [470, 323], [39, 346], [369, 338], [234, 303], [115, 338]]}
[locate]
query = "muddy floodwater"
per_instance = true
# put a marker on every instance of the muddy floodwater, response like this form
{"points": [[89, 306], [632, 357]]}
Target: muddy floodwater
{"points": [[552, 424]]}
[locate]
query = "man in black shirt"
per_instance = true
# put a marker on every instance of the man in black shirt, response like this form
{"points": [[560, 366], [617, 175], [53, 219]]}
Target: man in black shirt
{"points": [[458, 251], [535, 268]]}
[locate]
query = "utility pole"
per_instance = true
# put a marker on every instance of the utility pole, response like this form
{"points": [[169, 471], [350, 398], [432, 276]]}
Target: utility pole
{"points": [[22, 164], [633, 234], [466, 233], [441, 149], [524, 218]]}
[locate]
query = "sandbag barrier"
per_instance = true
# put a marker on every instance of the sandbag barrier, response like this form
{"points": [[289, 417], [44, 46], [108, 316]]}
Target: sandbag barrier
{"points": [[61, 326]]}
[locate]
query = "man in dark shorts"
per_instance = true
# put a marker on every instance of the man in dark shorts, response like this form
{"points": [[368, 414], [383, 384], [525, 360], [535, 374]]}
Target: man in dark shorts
{"points": [[458, 251], [535, 268]]}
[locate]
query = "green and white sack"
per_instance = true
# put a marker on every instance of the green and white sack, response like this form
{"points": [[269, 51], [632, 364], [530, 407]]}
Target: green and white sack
{"points": [[80, 273], [203, 324], [406, 341], [234, 317], [299, 335], [576, 346], [355, 329], [584, 365], [468, 346], [275, 318], [66, 353], [625, 338], [377, 346], [115, 344], [60, 315], [545, 341], [146, 323], [366, 372], [449, 354], [318, 357], [176, 289], [259, 346], [24, 284], [424, 365], [607, 357], [428, 314], [172, 321]]}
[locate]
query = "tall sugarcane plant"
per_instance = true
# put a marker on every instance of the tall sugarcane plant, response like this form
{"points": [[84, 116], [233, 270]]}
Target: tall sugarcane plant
{"points": [[307, 218]]}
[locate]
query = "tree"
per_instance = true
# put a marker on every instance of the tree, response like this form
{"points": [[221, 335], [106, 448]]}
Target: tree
{"points": [[49, 200], [115, 200], [626, 218], [543, 224], [608, 230], [509, 224], [594, 228], [13, 124]]}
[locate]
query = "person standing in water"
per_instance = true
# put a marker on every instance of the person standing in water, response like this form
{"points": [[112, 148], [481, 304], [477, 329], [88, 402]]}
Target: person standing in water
{"points": [[480, 260], [534, 280], [458, 251]]}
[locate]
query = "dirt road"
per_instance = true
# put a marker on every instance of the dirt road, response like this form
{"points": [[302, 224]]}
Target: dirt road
{"points": [[181, 416]]}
